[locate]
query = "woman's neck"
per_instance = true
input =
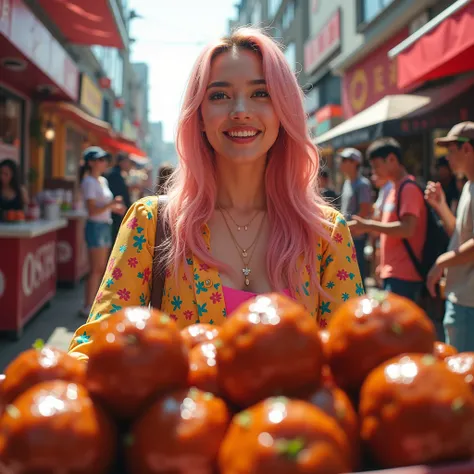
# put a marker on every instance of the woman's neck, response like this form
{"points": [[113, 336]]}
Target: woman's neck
{"points": [[95, 175], [241, 186]]}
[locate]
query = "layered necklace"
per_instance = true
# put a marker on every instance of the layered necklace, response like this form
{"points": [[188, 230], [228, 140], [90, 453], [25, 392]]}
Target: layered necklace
{"points": [[245, 254]]}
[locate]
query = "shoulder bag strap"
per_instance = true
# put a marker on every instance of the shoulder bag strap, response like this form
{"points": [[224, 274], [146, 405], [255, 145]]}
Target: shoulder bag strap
{"points": [[411, 253], [158, 272]]}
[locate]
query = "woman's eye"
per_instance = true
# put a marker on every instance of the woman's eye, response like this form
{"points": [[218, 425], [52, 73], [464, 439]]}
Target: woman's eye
{"points": [[217, 96], [261, 93]]}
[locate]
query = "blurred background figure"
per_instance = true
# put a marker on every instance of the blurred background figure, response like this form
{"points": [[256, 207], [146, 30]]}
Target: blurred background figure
{"points": [[327, 190], [100, 204], [116, 177], [13, 196], [447, 180], [164, 173]]}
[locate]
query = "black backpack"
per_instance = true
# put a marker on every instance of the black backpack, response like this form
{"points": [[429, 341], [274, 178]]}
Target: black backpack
{"points": [[437, 239]]}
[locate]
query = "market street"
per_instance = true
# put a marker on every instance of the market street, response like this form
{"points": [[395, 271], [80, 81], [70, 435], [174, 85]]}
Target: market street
{"points": [[55, 325]]}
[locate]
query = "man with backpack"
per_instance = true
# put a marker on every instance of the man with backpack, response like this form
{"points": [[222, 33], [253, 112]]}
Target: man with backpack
{"points": [[458, 261], [403, 224]]}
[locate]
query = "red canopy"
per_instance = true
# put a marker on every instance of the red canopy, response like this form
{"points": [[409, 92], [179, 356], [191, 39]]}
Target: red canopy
{"points": [[446, 49], [122, 144], [89, 22]]}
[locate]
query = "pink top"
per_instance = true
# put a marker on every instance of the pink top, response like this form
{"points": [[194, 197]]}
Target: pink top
{"points": [[234, 298]]}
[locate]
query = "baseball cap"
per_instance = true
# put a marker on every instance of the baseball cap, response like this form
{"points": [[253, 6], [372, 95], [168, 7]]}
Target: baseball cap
{"points": [[94, 153], [351, 154], [461, 132]]}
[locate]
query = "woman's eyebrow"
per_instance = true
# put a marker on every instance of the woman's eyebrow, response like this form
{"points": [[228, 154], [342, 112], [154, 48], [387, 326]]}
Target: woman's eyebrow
{"points": [[253, 82]]}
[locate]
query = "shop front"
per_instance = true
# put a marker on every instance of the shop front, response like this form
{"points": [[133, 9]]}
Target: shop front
{"points": [[32, 65]]}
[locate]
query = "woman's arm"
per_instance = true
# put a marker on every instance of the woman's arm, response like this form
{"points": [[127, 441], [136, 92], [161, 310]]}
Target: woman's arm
{"points": [[127, 279], [340, 275]]}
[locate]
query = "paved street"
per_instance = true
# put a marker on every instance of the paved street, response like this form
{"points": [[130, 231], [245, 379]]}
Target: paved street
{"points": [[55, 324]]}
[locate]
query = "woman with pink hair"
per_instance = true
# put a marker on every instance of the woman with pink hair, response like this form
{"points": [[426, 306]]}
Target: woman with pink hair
{"points": [[243, 212]]}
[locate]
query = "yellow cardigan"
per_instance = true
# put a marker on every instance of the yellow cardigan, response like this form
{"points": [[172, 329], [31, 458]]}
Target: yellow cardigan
{"points": [[127, 280]]}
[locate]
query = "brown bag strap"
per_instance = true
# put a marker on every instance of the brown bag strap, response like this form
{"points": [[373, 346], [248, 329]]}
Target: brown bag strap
{"points": [[158, 272]]}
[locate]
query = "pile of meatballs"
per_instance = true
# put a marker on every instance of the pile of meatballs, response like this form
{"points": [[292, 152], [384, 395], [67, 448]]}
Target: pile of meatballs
{"points": [[268, 392]]}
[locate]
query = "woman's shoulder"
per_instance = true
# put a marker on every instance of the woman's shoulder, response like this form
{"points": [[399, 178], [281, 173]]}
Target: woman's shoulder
{"points": [[332, 217], [146, 209]]}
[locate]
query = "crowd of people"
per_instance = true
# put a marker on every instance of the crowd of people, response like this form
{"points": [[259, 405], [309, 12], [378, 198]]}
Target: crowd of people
{"points": [[399, 227]]}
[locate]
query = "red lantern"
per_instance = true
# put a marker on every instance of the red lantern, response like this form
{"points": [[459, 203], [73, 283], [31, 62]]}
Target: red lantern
{"points": [[137, 123], [119, 103], [105, 82]]}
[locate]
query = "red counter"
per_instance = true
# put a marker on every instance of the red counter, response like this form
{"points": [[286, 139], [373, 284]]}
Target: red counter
{"points": [[73, 261], [27, 270]]}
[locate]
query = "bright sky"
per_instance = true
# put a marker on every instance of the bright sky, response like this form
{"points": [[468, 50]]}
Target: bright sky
{"points": [[169, 38]]}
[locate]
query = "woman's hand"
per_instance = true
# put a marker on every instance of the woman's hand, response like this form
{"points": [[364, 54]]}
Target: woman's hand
{"points": [[435, 196], [118, 206]]}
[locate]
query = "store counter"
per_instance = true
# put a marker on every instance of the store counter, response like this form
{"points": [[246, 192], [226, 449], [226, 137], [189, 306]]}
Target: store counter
{"points": [[73, 261], [27, 270]]}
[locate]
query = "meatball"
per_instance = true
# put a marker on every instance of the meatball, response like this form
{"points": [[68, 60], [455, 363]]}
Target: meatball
{"points": [[40, 365], [203, 368], [414, 410], [136, 353], [56, 427], [442, 350], [270, 346], [462, 364], [180, 432], [199, 333], [282, 436], [367, 331], [335, 403]]}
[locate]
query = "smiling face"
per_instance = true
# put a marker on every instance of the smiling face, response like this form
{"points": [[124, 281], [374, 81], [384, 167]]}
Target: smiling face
{"points": [[238, 117]]}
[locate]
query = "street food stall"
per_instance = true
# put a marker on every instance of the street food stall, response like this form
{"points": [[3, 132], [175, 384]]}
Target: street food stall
{"points": [[27, 270]]}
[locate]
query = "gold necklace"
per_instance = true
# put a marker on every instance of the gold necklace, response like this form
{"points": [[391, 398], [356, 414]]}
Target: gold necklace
{"points": [[243, 251], [246, 270], [239, 227]]}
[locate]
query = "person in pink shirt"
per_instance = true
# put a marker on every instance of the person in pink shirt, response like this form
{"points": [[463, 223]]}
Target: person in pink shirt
{"points": [[409, 221]]}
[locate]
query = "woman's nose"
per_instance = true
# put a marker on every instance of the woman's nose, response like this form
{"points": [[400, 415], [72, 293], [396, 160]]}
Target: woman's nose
{"points": [[240, 109]]}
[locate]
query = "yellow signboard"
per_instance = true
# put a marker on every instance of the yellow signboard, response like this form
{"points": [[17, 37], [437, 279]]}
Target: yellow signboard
{"points": [[91, 97]]}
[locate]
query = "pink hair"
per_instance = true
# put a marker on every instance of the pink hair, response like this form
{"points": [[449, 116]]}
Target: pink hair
{"points": [[294, 204]]}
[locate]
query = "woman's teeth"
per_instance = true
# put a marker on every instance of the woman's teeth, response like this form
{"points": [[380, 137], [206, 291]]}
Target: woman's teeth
{"points": [[242, 134]]}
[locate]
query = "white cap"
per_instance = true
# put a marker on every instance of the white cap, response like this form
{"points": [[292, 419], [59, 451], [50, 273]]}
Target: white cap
{"points": [[351, 154]]}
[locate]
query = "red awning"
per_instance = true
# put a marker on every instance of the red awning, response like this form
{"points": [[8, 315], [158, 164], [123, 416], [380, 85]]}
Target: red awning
{"points": [[88, 22], [443, 47], [122, 144], [77, 115]]}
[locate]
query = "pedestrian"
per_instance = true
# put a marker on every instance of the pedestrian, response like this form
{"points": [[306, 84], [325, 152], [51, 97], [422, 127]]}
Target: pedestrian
{"points": [[446, 178], [407, 222], [243, 213], [116, 178], [356, 198], [326, 189], [100, 203], [13, 196], [458, 261], [164, 174]]}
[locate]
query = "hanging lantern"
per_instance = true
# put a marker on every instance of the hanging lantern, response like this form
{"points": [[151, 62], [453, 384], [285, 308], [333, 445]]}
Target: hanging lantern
{"points": [[137, 123], [119, 103], [105, 82]]}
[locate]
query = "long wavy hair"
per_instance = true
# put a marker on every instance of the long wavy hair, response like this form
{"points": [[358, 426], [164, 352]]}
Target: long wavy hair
{"points": [[294, 205]]}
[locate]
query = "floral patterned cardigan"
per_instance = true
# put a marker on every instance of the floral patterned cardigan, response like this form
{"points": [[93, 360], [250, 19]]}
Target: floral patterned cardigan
{"points": [[127, 280]]}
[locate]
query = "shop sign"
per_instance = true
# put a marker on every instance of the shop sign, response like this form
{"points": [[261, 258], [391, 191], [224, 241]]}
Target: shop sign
{"points": [[321, 46], [30, 36], [372, 79], [38, 268], [91, 98]]}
